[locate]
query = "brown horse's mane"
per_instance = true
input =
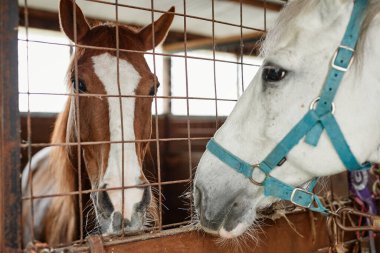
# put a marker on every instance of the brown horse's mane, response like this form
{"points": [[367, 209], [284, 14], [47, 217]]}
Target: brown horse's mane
{"points": [[62, 164]]}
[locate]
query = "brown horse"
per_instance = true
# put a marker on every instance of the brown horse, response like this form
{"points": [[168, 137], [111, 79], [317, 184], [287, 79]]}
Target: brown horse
{"points": [[96, 120]]}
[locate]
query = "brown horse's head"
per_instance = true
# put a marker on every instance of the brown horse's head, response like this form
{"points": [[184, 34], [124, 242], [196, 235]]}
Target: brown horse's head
{"points": [[97, 68]]}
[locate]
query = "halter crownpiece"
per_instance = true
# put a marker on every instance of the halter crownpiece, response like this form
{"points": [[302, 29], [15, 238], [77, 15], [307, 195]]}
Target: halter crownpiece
{"points": [[320, 117]]}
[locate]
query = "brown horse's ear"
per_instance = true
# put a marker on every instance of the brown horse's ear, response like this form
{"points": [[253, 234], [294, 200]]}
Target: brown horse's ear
{"points": [[161, 28], [66, 17]]}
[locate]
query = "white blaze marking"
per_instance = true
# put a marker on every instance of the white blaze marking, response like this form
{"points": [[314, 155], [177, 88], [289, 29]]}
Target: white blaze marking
{"points": [[105, 66]]}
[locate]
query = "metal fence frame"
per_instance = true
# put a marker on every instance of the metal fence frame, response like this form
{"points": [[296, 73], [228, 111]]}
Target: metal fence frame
{"points": [[10, 192]]}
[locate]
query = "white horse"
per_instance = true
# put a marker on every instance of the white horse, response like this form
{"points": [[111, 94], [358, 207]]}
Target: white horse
{"points": [[298, 51]]}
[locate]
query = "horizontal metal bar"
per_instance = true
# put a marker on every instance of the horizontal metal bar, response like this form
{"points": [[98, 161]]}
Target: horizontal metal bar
{"points": [[126, 96], [72, 193], [26, 145]]}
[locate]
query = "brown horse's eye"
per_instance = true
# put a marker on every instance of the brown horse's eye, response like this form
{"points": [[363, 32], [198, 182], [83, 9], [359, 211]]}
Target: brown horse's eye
{"points": [[153, 89], [273, 73], [81, 87]]}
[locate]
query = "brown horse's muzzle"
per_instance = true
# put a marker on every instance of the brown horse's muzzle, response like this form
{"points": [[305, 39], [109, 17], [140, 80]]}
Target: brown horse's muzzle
{"points": [[111, 221]]}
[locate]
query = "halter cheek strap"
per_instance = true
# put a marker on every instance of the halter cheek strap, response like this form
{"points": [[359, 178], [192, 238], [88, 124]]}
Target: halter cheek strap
{"points": [[310, 126]]}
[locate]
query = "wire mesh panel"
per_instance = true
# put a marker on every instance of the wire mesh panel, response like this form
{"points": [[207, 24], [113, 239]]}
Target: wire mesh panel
{"points": [[134, 111]]}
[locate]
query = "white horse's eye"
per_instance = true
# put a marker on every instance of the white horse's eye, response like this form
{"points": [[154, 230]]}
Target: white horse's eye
{"points": [[273, 73]]}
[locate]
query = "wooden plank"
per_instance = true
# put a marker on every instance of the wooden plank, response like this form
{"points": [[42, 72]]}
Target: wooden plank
{"points": [[277, 236], [10, 194]]}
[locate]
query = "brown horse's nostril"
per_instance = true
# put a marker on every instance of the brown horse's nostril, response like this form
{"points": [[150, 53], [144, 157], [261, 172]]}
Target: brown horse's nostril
{"points": [[117, 221], [145, 200], [104, 203]]}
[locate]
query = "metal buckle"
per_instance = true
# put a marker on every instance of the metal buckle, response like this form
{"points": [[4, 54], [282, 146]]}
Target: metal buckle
{"points": [[254, 181], [301, 190], [336, 54], [372, 220], [316, 100]]}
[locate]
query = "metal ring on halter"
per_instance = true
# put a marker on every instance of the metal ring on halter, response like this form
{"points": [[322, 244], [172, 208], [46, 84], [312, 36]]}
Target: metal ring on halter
{"points": [[316, 100], [254, 181]]}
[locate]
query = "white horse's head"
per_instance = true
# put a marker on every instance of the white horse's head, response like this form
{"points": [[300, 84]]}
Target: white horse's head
{"points": [[299, 51]]}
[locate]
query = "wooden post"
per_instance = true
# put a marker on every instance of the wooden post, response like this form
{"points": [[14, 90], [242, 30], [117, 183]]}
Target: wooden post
{"points": [[10, 193]]}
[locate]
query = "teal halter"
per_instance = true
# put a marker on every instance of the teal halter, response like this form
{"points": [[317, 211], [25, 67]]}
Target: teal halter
{"points": [[320, 117]]}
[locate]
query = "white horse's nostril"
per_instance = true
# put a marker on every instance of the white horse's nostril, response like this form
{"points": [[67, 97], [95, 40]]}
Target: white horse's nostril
{"points": [[197, 197]]}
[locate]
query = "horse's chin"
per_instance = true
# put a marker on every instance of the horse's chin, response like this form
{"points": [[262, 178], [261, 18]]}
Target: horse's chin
{"points": [[126, 231], [239, 230], [268, 212]]}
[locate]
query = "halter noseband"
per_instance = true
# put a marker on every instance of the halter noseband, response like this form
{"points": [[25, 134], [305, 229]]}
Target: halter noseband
{"points": [[320, 117]]}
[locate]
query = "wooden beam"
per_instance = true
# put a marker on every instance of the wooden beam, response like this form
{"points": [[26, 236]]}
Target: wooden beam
{"points": [[49, 21], [207, 43], [276, 236], [269, 5]]}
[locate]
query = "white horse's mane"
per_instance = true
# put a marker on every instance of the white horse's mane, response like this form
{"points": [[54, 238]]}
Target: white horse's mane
{"points": [[294, 8]]}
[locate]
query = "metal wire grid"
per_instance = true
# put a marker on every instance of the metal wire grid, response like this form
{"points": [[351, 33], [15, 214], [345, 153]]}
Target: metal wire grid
{"points": [[160, 229]]}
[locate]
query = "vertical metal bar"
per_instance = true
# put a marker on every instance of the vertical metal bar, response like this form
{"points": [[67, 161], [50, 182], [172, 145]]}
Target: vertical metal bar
{"points": [[167, 85], [265, 15], [10, 191], [79, 145], [159, 180], [121, 115], [238, 68], [241, 47], [214, 63], [29, 126], [188, 110]]}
